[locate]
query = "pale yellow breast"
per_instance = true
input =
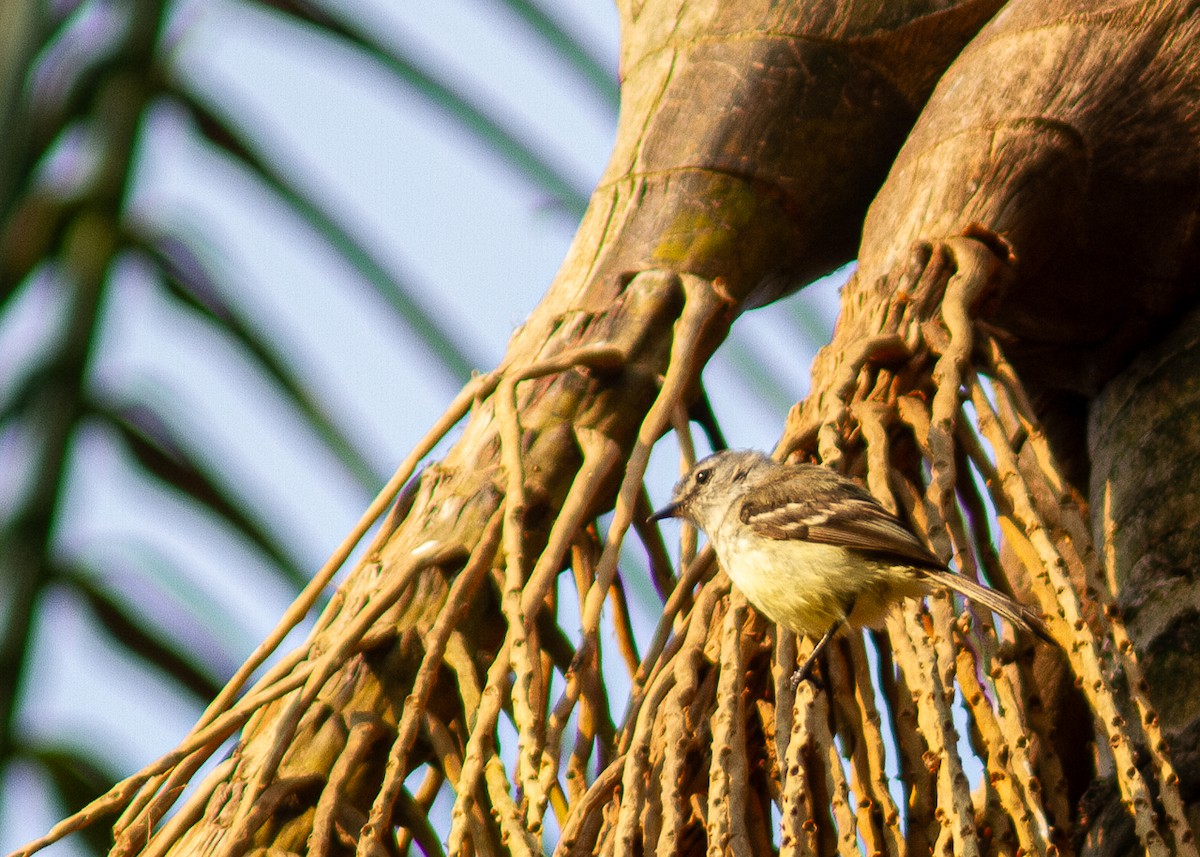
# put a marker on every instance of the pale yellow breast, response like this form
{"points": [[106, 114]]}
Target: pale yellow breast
{"points": [[806, 587]]}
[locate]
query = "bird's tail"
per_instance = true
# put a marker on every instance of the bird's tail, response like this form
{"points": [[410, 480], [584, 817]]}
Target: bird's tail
{"points": [[1018, 614]]}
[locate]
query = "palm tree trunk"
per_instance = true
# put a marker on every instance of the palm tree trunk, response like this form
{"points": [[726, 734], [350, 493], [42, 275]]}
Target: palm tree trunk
{"points": [[1142, 438], [712, 175]]}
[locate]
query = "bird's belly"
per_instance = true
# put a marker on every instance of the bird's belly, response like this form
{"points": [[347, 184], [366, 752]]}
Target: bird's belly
{"points": [[807, 587]]}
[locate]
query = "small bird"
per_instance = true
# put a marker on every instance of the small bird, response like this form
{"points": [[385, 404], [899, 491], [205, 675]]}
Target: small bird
{"points": [[815, 551]]}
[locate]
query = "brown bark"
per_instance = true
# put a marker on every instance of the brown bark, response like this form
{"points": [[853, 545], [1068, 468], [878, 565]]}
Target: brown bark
{"points": [[1069, 132], [1143, 439], [1069, 129]]}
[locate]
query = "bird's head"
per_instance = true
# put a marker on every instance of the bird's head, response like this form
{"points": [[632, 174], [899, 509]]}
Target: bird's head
{"points": [[704, 495]]}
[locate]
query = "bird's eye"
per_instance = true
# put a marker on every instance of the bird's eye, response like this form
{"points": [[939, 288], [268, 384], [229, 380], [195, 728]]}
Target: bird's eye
{"points": [[703, 476]]}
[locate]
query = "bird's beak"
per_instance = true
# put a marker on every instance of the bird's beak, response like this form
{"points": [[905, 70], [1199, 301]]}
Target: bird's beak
{"points": [[671, 510]]}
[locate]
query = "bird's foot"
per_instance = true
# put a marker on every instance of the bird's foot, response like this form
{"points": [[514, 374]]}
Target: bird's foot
{"points": [[805, 673]]}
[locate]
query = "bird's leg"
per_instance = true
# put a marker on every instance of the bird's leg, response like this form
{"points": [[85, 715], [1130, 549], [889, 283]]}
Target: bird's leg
{"points": [[805, 670]]}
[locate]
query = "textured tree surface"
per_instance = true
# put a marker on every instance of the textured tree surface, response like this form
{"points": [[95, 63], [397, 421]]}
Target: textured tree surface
{"points": [[1032, 239]]}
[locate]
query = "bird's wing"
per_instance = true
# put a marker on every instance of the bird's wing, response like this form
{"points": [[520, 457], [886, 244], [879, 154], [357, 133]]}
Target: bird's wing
{"points": [[855, 519]]}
